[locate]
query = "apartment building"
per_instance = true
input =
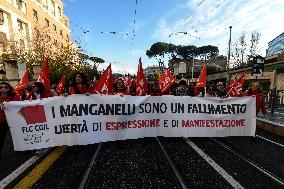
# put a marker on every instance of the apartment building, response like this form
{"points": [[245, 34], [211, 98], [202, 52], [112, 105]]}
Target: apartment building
{"points": [[276, 46], [21, 20]]}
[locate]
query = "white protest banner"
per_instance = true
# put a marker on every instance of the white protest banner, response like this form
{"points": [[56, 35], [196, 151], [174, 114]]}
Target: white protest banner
{"points": [[82, 119]]}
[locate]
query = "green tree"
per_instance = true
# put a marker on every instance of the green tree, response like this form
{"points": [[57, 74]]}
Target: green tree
{"points": [[96, 61], [64, 57]]}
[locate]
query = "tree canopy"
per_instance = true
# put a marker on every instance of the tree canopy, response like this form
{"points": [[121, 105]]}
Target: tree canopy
{"points": [[160, 49], [64, 57]]}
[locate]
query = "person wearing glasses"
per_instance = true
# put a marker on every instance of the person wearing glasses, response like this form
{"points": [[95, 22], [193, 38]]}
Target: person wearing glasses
{"points": [[39, 92], [6, 95], [254, 90], [120, 88], [79, 84]]}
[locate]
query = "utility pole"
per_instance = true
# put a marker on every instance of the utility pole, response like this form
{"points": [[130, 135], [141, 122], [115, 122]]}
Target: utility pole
{"points": [[192, 68], [229, 55]]}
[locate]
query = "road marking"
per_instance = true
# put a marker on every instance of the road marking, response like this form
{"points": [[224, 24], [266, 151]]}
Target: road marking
{"points": [[271, 141], [40, 169], [20, 170], [219, 169]]}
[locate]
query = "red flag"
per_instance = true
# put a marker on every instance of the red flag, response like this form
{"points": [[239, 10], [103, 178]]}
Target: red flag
{"points": [[105, 83], [141, 84], [201, 81], [33, 114], [61, 85], [44, 75], [235, 88], [166, 80], [23, 83]]}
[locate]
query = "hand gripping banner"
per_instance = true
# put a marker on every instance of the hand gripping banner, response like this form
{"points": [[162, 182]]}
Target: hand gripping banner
{"points": [[82, 119]]}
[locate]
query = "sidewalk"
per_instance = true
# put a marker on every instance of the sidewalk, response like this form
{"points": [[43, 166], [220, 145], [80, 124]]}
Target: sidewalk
{"points": [[278, 116], [272, 123]]}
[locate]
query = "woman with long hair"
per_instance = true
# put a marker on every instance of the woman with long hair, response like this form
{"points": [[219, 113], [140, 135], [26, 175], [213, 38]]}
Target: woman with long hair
{"points": [[6, 95], [120, 88], [79, 84]]}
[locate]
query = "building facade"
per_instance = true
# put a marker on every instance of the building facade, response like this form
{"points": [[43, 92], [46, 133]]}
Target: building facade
{"points": [[150, 70], [276, 46], [22, 20]]}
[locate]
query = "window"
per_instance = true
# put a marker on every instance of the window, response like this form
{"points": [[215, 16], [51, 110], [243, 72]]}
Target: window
{"points": [[59, 11], [20, 25], [35, 15], [22, 44], [54, 28], [1, 17], [37, 33], [19, 4], [61, 32], [46, 23], [45, 4], [52, 7]]}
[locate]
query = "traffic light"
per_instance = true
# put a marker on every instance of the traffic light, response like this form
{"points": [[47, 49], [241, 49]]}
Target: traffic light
{"points": [[258, 66]]}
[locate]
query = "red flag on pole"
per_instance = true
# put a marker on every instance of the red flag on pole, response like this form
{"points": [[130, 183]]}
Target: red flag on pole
{"points": [[23, 83], [141, 84], [44, 75], [105, 83], [166, 80], [235, 88], [61, 85], [201, 81]]}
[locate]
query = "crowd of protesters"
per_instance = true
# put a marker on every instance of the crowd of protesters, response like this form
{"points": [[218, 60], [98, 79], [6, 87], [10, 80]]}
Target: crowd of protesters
{"points": [[80, 85]]}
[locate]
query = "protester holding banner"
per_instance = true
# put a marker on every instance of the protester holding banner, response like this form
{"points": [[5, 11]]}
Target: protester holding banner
{"points": [[254, 90], [220, 91], [119, 87], [39, 92], [182, 89], [6, 95], [26, 93], [210, 91], [79, 84], [53, 90], [155, 89], [132, 88]]}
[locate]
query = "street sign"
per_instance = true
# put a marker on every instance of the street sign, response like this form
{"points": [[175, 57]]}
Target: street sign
{"points": [[258, 66], [182, 67]]}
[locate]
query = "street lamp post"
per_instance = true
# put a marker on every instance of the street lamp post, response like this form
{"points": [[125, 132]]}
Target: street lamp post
{"points": [[229, 55], [192, 67]]}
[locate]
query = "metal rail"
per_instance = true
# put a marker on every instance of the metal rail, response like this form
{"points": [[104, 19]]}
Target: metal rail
{"points": [[177, 174], [258, 167], [85, 181], [234, 183]]}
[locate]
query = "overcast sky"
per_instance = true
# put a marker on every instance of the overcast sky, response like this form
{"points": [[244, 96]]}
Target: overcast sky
{"points": [[206, 22]]}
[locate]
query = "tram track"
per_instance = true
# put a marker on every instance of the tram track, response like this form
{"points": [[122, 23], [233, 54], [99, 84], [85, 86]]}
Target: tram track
{"points": [[246, 160], [86, 177], [141, 164], [252, 163], [167, 163]]}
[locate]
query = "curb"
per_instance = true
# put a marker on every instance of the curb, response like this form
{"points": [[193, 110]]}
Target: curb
{"points": [[270, 126]]}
